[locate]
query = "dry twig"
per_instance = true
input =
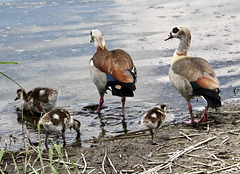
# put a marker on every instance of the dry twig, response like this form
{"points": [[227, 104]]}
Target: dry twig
{"points": [[85, 163], [112, 165], [225, 168], [168, 162], [185, 136], [104, 158]]}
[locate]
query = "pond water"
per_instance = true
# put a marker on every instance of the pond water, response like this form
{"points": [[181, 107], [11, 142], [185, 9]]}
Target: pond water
{"points": [[50, 42]]}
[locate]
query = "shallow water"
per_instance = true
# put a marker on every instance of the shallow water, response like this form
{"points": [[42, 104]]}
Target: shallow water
{"points": [[50, 42]]}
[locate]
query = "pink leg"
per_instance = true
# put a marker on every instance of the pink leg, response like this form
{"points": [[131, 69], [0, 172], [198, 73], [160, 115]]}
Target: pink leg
{"points": [[101, 101], [123, 104], [205, 116], [192, 121]]}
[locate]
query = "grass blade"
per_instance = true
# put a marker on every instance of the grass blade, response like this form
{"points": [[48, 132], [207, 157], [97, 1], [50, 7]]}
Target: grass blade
{"points": [[25, 164], [8, 63], [16, 167], [53, 169], [35, 171], [40, 158], [50, 155], [1, 153], [39, 138], [74, 166], [11, 79]]}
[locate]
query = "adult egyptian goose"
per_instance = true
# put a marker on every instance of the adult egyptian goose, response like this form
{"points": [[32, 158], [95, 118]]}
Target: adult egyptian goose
{"points": [[193, 76], [154, 119], [58, 121], [38, 100], [111, 69]]}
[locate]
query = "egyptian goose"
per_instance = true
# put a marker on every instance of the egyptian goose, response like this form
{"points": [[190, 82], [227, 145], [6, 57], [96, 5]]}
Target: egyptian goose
{"points": [[111, 69], [154, 119], [38, 100], [59, 120], [192, 76]]}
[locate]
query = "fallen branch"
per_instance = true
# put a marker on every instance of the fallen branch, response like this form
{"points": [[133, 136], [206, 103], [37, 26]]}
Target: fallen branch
{"points": [[168, 162]]}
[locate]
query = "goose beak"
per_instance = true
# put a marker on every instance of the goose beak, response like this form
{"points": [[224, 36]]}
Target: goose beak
{"points": [[16, 98], [169, 37], [91, 40]]}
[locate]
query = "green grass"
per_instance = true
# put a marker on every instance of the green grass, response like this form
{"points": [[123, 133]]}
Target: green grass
{"points": [[8, 76], [23, 166]]}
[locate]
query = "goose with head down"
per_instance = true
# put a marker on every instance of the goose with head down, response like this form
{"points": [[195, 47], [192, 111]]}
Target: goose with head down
{"points": [[192, 76], [111, 70], [154, 119], [38, 100], [59, 120]]}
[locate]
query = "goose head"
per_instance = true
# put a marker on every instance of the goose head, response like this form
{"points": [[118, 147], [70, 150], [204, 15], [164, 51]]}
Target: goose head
{"points": [[20, 93], [180, 33], [97, 39]]}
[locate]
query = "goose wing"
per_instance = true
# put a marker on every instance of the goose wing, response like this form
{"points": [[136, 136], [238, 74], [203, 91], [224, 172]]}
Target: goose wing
{"points": [[197, 70]]}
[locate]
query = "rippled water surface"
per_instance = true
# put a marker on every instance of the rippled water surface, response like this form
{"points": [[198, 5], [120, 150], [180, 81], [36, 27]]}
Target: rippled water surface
{"points": [[50, 42]]}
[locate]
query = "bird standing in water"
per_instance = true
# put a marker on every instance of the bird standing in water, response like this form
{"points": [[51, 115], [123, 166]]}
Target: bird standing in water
{"points": [[38, 100], [59, 120], [111, 70]]}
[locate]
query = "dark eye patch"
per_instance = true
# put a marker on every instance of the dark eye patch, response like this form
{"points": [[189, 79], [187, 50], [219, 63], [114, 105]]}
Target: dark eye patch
{"points": [[175, 30], [91, 33]]}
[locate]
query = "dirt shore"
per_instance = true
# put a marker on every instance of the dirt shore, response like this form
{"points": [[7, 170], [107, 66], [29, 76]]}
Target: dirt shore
{"points": [[206, 148]]}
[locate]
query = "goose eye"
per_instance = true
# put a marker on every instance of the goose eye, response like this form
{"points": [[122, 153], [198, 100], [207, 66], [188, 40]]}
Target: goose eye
{"points": [[175, 30]]}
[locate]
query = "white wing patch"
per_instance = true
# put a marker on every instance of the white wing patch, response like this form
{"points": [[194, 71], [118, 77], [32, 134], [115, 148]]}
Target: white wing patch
{"points": [[56, 116], [154, 115], [91, 63], [42, 92]]}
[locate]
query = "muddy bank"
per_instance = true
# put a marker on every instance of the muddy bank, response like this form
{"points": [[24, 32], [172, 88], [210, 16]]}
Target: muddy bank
{"points": [[206, 148]]}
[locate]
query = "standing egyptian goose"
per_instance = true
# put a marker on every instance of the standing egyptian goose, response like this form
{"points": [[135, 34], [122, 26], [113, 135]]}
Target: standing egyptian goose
{"points": [[38, 100], [193, 76], [59, 120], [154, 119], [111, 69]]}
